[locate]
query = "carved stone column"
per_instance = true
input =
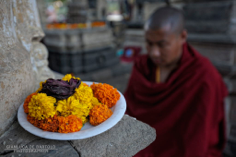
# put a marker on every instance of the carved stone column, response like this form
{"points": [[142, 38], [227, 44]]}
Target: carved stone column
{"points": [[23, 59], [30, 34], [16, 73]]}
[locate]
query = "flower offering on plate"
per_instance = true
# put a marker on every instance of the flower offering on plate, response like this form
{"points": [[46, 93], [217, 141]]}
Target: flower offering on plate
{"points": [[66, 104]]}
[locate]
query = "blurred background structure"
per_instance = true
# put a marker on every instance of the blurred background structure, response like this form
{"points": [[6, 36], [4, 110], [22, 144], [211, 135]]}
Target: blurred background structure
{"points": [[97, 40]]}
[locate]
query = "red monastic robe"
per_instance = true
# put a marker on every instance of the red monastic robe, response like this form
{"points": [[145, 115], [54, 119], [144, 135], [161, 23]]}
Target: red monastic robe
{"points": [[187, 110]]}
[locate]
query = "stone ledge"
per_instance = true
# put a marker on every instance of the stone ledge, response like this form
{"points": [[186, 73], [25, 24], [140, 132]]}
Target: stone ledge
{"points": [[125, 139]]}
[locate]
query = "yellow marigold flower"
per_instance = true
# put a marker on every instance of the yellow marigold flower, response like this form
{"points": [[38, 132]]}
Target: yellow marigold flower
{"points": [[72, 106], [84, 111], [84, 94], [42, 106], [67, 106], [95, 101], [67, 77], [27, 100]]}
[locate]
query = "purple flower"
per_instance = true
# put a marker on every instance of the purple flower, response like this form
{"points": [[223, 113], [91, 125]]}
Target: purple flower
{"points": [[60, 89]]}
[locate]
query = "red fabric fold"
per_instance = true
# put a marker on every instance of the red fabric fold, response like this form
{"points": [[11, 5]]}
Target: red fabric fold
{"points": [[187, 110]]}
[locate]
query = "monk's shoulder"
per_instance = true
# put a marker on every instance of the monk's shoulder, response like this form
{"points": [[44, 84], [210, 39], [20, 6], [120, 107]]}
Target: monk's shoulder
{"points": [[206, 69], [204, 64], [208, 78], [141, 61]]}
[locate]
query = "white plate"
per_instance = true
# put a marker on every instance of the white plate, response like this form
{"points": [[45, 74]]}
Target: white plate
{"points": [[86, 131]]}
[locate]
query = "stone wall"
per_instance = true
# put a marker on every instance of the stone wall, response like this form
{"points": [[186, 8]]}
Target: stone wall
{"points": [[22, 57], [41, 5]]}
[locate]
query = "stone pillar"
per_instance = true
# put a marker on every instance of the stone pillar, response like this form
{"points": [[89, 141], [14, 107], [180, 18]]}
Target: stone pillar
{"points": [[30, 34], [41, 5], [211, 27], [16, 73], [20, 57], [77, 11], [101, 9]]}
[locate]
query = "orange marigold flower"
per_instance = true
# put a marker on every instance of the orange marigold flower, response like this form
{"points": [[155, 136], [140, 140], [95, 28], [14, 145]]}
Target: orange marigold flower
{"points": [[70, 123], [49, 124], [99, 114], [56, 123], [105, 93], [33, 121], [27, 100]]}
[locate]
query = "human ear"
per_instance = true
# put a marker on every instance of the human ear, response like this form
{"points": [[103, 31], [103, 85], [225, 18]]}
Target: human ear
{"points": [[183, 36]]}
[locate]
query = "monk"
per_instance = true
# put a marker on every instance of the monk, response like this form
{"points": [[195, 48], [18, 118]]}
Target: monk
{"points": [[177, 91]]}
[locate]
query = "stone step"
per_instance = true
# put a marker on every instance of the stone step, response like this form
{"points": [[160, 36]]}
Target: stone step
{"points": [[125, 139]]}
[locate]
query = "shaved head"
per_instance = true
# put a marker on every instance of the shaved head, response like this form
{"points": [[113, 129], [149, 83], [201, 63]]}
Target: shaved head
{"points": [[166, 18], [165, 36]]}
